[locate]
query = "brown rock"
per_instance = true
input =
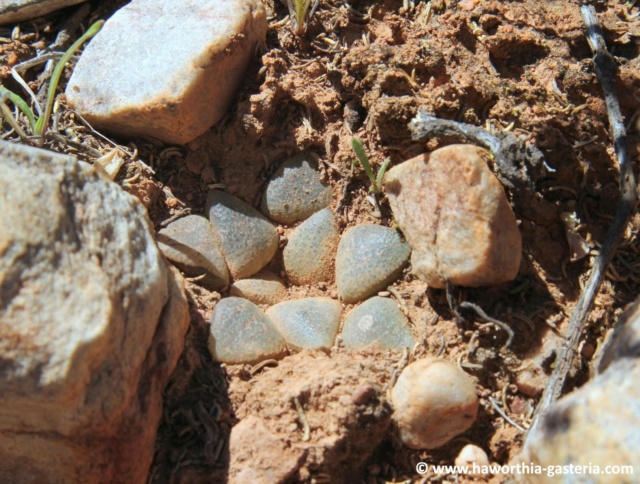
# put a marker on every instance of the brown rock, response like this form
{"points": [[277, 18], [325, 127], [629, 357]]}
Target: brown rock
{"points": [[92, 322], [272, 462], [456, 217], [433, 401]]}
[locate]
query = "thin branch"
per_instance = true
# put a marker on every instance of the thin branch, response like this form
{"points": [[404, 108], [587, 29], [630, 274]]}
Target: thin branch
{"points": [[605, 68]]}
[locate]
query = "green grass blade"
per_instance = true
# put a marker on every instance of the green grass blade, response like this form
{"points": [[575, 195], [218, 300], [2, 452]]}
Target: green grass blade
{"points": [[357, 147], [381, 172], [21, 104], [43, 120]]}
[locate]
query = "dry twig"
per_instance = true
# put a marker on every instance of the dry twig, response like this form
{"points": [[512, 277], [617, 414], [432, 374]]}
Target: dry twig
{"points": [[605, 68]]}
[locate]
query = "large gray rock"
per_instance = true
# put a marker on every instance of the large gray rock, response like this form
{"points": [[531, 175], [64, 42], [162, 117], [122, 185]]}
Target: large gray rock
{"points": [[309, 255], [369, 258], [190, 244], [166, 68], [248, 241], [597, 425], [92, 321], [624, 341], [14, 11], [295, 191], [456, 217]]}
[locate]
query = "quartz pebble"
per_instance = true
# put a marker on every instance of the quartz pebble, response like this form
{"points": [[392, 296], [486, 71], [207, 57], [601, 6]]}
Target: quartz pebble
{"points": [[456, 217], [190, 244], [14, 11], [264, 288], [470, 456], [248, 241], [434, 401], [369, 258], [295, 191], [377, 320], [241, 333], [130, 80], [309, 255], [309, 323]]}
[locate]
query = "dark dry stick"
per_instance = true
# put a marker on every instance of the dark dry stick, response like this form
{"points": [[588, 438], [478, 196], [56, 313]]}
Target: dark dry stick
{"points": [[605, 68]]}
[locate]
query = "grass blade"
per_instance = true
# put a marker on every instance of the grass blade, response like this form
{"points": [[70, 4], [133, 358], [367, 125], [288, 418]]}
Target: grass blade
{"points": [[43, 120]]}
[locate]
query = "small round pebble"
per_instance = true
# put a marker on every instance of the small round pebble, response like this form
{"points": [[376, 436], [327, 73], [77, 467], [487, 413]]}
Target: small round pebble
{"points": [[241, 333], [377, 320], [264, 288], [295, 191], [248, 240], [471, 455], [309, 256], [434, 401], [309, 323], [190, 244], [369, 258]]}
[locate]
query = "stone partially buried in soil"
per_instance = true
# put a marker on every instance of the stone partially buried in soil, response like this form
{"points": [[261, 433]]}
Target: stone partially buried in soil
{"points": [[310, 252], [295, 191], [241, 333], [248, 241], [433, 401], [309, 323], [264, 288], [369, 258], [377, 320], [190, 244], [131, 81], [456, 217]]}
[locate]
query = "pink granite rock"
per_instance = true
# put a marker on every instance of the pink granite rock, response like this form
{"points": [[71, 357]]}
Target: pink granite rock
{"points": [[456, 217]]}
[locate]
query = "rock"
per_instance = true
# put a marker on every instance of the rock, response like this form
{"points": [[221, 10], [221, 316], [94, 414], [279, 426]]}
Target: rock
{"points": [[309, 323], [624, 341], [377, 320], [92, 322], [369, 258], [471, 456], [14, 11], [434, 401], [295, 191], [343, 434], [456, 217], [597, 425], [241, 333], [310, 253], [190, 244], [265, 288], [532, 379], [248, 241], [132, 82], [274, 464]]}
